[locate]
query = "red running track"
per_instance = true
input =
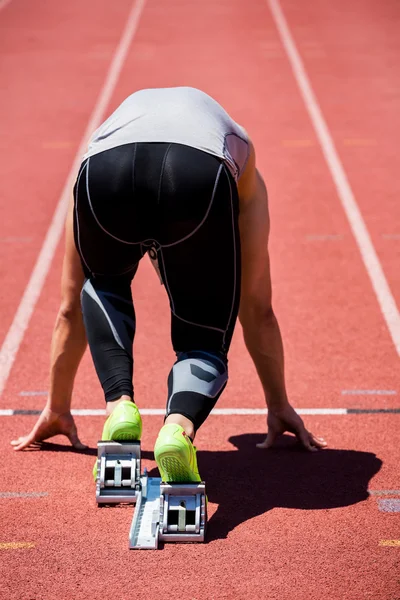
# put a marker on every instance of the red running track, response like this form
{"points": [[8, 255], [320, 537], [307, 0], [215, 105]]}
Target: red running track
{"points": [[284, 524]]}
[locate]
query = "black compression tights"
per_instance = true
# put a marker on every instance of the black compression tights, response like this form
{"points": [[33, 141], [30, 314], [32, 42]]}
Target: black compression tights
{"points": [[182, 205]]}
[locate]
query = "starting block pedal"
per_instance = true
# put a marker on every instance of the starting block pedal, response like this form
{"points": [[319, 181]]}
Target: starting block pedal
{"points": [[183, 512], [118, 472], [168, 512]]}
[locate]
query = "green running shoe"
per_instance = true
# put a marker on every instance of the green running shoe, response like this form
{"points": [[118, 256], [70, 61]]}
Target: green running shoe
{"points": [[123, 425], [175, 455]]}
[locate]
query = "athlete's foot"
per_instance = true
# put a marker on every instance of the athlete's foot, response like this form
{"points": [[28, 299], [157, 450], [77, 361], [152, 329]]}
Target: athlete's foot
{"points": [[112, 405], [123, 424], [184, 422], [175, 455]]}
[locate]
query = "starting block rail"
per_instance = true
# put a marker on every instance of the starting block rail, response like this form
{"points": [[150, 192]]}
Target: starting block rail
{"points": [[165, 512]]}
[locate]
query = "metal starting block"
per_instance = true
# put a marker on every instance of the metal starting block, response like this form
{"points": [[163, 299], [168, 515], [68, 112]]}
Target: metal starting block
{"points": [[165, 512], [168, 513], [118, 472], [183, 512]]}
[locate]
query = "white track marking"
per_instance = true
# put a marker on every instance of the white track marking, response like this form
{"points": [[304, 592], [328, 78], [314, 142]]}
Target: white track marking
{"points": [[32, 292], [372, 264], [369, 392], [23, 494], [384, 492], [321, 411], [389, 505], [89, 412], [263, 411], [96, 412]]}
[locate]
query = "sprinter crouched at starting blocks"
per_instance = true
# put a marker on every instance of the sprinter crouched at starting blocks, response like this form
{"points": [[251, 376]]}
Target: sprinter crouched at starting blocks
{"points": [[169, 173]]}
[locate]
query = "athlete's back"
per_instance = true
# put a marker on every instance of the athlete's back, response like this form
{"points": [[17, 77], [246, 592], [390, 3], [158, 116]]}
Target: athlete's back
{"points": [[181, 115]]}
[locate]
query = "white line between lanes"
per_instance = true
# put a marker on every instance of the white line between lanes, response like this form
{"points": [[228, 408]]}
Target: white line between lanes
{"points": [[34, 287], [95, 412], [372, 264]]}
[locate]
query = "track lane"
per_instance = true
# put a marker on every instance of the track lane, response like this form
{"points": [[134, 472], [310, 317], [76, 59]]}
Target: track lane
{"points": [[32, 129], [323, 298], [351, 55], [283, 519]]}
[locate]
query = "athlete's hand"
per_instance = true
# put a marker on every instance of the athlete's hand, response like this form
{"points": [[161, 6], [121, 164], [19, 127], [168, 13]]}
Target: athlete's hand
{"points": [[286, 419], [48, 425]]}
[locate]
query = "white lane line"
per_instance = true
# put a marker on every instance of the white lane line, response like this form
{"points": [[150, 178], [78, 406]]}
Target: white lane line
{"points": [[33, 289], [344, 393], [389, 505], [23, 494], [322, 411], [384, 492], [263, 411], [89, 412], [369, 392], [372, 264], [95, 412]]}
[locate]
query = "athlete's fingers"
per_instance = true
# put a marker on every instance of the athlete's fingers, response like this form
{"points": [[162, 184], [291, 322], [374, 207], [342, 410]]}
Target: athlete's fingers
{"points": [[75, 441], [318, 442], [305, 438], [269, 440], [22, 442], [263, 444]]}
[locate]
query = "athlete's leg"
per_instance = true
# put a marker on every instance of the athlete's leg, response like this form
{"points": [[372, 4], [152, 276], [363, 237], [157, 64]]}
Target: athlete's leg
{"points": [[103, 199], [201, 273], [195, 383], [202, 277], [109, 318]]}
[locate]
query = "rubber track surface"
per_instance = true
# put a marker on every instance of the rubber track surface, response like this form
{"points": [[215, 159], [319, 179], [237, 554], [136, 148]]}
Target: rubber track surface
{"points": [[284, 524]]}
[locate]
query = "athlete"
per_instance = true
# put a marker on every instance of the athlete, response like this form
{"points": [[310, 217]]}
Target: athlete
{"points": [[168, 173]]}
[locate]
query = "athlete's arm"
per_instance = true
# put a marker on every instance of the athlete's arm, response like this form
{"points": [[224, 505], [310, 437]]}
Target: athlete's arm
{"points": [[67, 348], [260, 326], [69, 338]]}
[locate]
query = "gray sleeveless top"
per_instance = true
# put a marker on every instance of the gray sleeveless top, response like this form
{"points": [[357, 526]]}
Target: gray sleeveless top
{"points": [[181, 115]]}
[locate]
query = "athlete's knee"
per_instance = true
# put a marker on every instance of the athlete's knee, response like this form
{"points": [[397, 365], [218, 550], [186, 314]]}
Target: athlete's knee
{"points": [[195, 383]]}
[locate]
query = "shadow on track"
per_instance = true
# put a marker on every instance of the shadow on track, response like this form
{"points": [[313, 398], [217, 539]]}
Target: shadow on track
{"points": [[247, 481], [53, 447]]}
